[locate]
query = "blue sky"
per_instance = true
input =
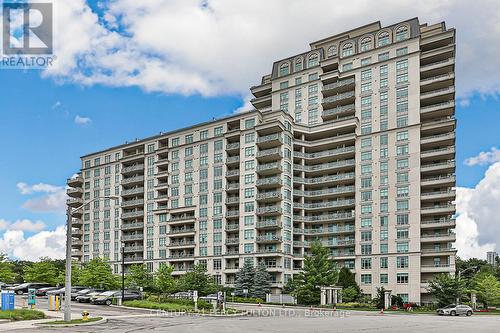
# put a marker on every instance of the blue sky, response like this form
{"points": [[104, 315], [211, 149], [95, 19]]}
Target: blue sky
{"points": [[130, 69]]}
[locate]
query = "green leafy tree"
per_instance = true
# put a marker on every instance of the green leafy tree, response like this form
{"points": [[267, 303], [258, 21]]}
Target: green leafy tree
{"points": [[244, 278], [44, 271], [198, 279], [318, 271], [261, 282], [98, 274], [350, 289], [446, 288], [164, 281], [379, 300], [7, 274], [487, 288], [75, 275], [138, 276]]}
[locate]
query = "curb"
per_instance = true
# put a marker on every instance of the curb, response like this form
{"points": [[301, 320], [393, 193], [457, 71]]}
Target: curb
{"points": [[98, 322]]}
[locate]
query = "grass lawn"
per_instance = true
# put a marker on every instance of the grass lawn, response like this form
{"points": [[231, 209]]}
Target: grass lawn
{"points": [[160, 306], [73, 321], [22, 314]]}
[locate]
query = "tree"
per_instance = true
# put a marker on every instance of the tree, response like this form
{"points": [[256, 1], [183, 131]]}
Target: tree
{"points": [[138, 276], [7, 274], [75, 275], [244, 278], [44, 271], [261, 282], [446, 288], [350, 289], [380, 298], [164, 281], [198, 279], [98, 274], [318, 271], [487, 288]]}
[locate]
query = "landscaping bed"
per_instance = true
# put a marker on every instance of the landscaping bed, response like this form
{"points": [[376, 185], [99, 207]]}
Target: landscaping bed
{"points": [[73, 321], [21, 314]]}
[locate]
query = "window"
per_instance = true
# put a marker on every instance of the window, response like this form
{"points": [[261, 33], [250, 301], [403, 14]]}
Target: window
{"points": [[402, 163], [402, 278], [283, 85], [366, 222], [218, 131], [346, 67], [347, 50], [402, 51], [402, 177], [204, 135], [298, 64], [366, 249], [366, 44], [313, 76], [384, 139], [250, 123], [384, 262], [313, 116], [366, 75], [402, 247], [249, 151], [366, 182], [402, 136], [366, 236], [332, 51], [366, 278], [402, 219], [284, 101], [402, 191], [366, 87], [384, 278], [313, 60], [402, 121], [366, 142], [401, 33], [402, 262], [402, 150], [366, 156], [366, 263], [284, 69], [384, 248], [366, 61], [366, 209], [366, 169], [383, 38], [384, 194], [402, 234]]}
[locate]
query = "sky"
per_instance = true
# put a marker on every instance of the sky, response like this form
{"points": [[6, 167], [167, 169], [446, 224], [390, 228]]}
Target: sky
{"points": [[129, 69]]}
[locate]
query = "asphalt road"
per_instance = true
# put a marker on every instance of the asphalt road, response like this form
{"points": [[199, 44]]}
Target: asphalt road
{"points": [[267, 319]]}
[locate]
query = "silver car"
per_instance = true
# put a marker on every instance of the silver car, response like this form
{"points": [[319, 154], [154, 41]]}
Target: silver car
{"points": [[455, 310]]}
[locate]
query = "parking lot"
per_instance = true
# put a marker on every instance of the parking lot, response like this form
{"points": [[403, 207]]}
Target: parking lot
{"points": [[269, 319]]}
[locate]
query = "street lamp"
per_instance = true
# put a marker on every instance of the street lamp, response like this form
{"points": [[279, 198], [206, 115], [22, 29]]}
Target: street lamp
{"points": [[123, 272], [67, 292], [460, 277]]}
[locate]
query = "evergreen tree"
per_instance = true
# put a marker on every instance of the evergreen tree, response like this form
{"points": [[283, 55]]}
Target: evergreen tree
{"points": [[261, 282], [350, 289], [244, 278], [318, 271]]}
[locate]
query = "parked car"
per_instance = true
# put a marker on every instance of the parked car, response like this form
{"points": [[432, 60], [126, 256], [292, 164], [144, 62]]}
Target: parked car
{"points": [[107, 297], [84, 292], [86, 297], [23, 288], [43, 291], [62, 291], [455, 310]]}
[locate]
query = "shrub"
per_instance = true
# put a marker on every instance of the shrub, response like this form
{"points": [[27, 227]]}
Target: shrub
{"points": [[239, 299], [21, 314]]}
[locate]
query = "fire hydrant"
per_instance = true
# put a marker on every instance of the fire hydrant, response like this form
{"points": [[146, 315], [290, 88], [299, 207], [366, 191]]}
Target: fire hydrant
{"points": [[85, 315]]}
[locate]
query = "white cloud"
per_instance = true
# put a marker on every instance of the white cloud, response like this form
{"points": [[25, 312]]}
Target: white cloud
{"points": [[225, 46], [478, 227], [53, 200], [56, 105], [22, 225], [484, 157], [82, 120], [42, 244]]}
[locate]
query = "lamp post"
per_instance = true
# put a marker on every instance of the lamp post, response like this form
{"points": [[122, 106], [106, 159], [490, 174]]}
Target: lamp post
{"points": [[67, 292], [123, 272], [460, 277]]}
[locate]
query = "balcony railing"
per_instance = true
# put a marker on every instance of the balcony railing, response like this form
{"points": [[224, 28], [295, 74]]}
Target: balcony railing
{"points": [[269, 195], [324, 153], [327, 204], [133, 168], [130, 191], [269, 152], [135, 179], [335, 190], [271, 137], [324, 217], [138, 213], [319, 180], [269, 209], [269, 181], [319, 167]]}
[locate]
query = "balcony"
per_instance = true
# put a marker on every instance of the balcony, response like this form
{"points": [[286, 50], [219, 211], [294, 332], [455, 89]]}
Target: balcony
{"points": [[129, 259], [324, 217], [134, 214], [442, 153], [77, 233], [268, 239], [232, 200], [74, 202], [268, 224], [181, 218], [443, 109], [233, 160], [76, 253], [233, 173], [326, 153], [179, 231], [269, 182], [129, 249], [261, 90], [432, 252], [132, 191], [438, 209], [182, 256], [335, 191], [269, 210], [269, 196], [447, 166], [437, 126], [76, 243], [179, 244], [261, 102], [268, 168], [436, 268], [77, 213], [270, 140], [437, 96], [437, 223], [324, 231], [132, 169], [441, 180], [75, 192], [326, 179], [232, 227], [232, 241], [133, 203], [133, 180], [233, 187], [324, 205], [272, 251], [133, 237], [435, 238], [339, 86], [438, 195], [132, 226], [338, 112], [269, 154], [442, 66], [232, 213], [325, 166], [443, 139], [339, 99], [233, 146], [75, 181]]}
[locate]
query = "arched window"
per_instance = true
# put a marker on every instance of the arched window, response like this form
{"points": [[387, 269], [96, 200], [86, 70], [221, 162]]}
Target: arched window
{"points": [[401, 33], [313, 60], [383, 38], [332, 51], [298, 64], [347, 50], [284, 69], [366, 44]]}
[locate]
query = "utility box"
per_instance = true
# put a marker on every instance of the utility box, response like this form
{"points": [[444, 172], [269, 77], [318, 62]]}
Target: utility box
{"points": [[7, 300], [31, 297]]}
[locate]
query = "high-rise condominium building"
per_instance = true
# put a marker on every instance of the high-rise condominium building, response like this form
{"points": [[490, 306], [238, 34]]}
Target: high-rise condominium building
{"points": [[491, 258], [351, 143]]}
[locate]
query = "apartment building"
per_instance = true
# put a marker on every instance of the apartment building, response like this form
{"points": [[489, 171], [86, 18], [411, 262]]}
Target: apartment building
{"points": [[351, 143]]}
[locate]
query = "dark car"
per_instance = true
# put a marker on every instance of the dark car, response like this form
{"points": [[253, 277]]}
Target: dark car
{"points": [[86, 298], [107, 297], [43, 291], [62, 291], [23, 288], [84, 292]]}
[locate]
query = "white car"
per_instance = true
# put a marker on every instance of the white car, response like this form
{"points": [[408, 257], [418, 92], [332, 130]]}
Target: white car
{"points": [[455, 310]]}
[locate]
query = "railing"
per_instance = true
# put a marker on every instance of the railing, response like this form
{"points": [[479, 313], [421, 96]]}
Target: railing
{"points": [[442, 90], [269, 195], [436, 63], [133, 179], [437, 136], [230, 200], [316, 180], [272, 238], [235, 145], [437, 105], [437, 77], [324, 217], [183, 243], [233, 186], [133, 248], [318, 167], [132, 202], [127, 226], [268, 251], [137, 213], [232, 159], [231, 173], [329, 230], [338, 110], [232, 240], [338, 84], [268, 166], [327, 204], [338, 97], [424, 194], [181, 256], [268, 223], [450, 148], [437, 178], [336, 190], [438, 207], [232, 227], [175, 218], [133, 258], [449, 234], [436, 221], [133, 237], [133, 191], [269, 180], [181, 230], [431, 165], [271, 137], [268, 152], [131, 168], [269, 209], [325, 152], [232, 213]]}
